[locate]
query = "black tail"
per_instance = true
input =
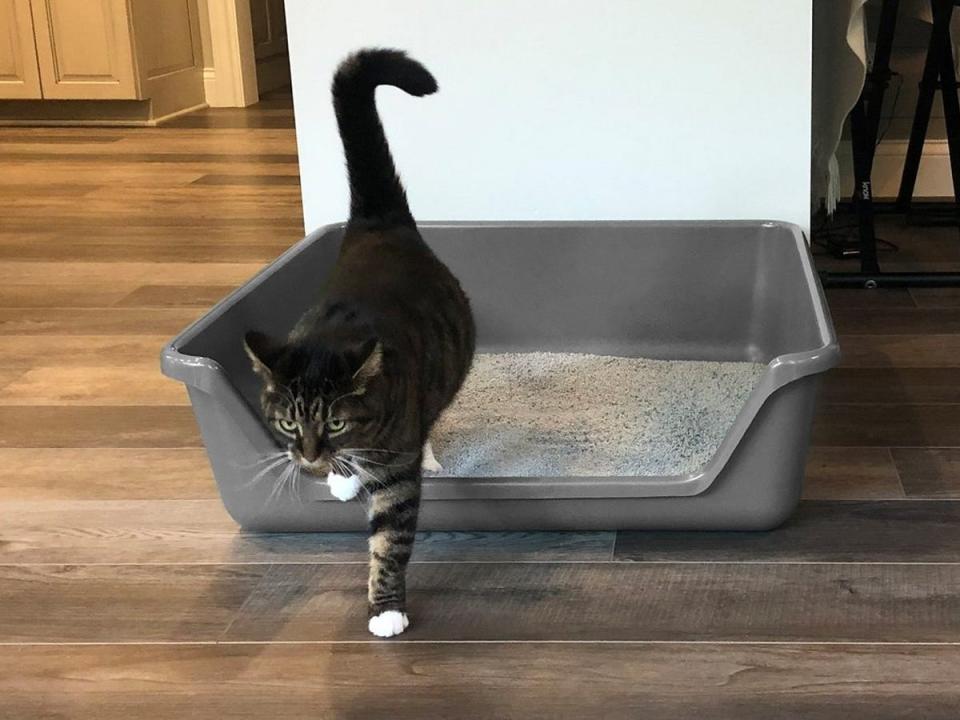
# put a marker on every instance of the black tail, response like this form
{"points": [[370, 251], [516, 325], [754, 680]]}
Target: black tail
{"points": [[376, 193]]}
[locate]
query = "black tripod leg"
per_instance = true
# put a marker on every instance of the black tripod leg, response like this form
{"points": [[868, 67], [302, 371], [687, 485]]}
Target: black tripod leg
{"points": [[921, 118], [948, 91], [879, 76], [865, 125], [862, 158]]}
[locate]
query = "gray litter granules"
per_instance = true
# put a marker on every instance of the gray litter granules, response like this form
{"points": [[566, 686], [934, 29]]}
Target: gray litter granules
{"points": [[565, 414]]}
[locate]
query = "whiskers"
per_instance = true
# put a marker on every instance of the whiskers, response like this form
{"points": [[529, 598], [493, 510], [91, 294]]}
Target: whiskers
{"points": [[286, 474], [355, 461], [262, 459], [288, 482], [354, 468], [343, 466], [366, 455]]}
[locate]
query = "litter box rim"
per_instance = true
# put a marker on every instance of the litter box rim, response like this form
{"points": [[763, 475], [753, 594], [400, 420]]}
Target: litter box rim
{"points": [[207, 376]]}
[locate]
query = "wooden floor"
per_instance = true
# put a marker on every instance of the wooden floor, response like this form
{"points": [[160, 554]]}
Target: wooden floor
{"points": [[126, 591]]}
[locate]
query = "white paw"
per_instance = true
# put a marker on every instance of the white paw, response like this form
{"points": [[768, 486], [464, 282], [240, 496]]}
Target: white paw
{"points": [[430, 464], [429, 461], [388, 623], [343, 488]]}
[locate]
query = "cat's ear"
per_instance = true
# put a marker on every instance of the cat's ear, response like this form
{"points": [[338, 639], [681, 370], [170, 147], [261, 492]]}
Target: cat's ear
{"points": [[372, 366], [263, 352]]}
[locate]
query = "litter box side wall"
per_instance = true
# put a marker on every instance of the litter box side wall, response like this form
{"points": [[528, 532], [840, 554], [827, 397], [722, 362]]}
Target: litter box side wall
{"points": [[248, 486], [791, 311], [758, 489]]}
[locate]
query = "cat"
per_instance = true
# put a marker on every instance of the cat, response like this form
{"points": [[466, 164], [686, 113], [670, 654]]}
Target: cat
{"points": [[354, 390]]}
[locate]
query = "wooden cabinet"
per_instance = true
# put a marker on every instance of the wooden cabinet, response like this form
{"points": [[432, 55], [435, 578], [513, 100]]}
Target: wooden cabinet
{"points": [[84, 49], [119, 50], [19, 74], [168, 53]]}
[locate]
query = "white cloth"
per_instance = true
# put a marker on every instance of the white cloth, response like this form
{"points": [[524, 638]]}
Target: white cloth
{"points": [[839, 70]]}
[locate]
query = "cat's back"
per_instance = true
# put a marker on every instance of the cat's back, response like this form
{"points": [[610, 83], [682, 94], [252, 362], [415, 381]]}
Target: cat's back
{"points": [[387, 270]]}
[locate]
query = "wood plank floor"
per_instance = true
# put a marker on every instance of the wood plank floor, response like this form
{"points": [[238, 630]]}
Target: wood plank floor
{"points": [[127, 592]]}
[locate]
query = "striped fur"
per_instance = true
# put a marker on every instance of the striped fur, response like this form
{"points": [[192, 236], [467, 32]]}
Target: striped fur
{"points": [[365, 374]]}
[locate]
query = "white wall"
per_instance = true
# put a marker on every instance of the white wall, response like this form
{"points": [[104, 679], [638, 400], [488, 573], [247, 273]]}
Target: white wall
{"points": [[571, 109]]}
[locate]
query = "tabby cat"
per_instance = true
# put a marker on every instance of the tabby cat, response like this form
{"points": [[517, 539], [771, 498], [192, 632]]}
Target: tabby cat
{"points": [[355, 388]]}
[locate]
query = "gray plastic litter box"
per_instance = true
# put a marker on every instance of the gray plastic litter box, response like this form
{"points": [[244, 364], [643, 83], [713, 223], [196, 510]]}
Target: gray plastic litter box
{"points": [[727, 291]]}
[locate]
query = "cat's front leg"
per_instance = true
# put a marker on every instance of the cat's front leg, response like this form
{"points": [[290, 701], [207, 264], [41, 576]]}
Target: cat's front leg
{"points": [[393, 524]]}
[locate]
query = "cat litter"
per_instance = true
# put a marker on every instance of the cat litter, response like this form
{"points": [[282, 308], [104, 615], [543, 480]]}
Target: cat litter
{"points": [[541, 414]]}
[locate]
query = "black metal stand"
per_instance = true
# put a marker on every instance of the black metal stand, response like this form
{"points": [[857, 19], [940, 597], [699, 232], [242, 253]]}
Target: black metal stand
{"points": [[938, 73]]}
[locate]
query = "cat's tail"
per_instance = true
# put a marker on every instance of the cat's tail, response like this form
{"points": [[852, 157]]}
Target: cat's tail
{"points": [[376, 194]]}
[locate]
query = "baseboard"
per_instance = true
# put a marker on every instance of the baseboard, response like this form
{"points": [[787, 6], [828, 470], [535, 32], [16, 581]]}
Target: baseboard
{"points": [[933, 180], [176, 114], [75, 112], [85, 113]]}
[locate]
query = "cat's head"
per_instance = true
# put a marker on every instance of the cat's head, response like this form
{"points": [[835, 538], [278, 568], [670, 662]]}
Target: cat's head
{"points": [[319, 398]]}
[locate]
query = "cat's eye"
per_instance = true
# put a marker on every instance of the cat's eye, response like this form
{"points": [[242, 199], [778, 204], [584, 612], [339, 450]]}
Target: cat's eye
{"points": [[336, 425], [287, 426]]}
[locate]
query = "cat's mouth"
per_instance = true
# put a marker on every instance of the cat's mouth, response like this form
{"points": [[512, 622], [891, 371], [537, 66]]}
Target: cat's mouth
{"points": [[319, 466]]}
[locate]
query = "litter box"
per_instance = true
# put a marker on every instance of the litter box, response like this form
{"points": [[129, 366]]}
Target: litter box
{"points": [[723, 292]]}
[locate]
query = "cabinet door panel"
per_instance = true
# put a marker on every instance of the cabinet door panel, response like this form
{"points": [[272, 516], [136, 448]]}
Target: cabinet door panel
{"points": [[168, 51], [19, 76], [84, 49]]}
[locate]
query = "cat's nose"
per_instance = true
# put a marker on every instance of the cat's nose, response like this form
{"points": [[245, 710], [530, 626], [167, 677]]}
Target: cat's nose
{"points": [[311, 448]]}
